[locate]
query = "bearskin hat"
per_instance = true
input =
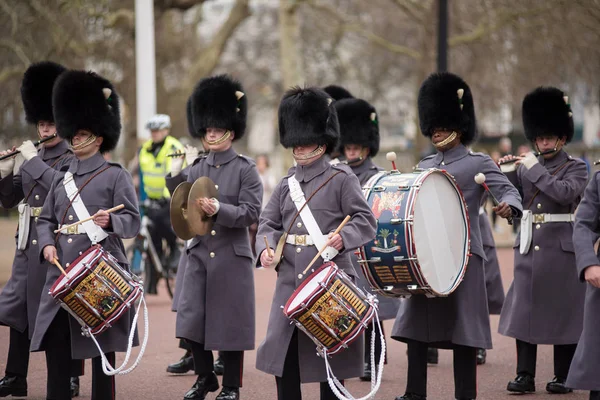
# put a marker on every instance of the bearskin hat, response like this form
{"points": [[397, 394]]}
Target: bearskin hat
{"points": [[219, 102], [36, 90], [190, 117], [86, 100], [445, 101], [358, 124], [306, 116], [337, 92], [547, 112]]}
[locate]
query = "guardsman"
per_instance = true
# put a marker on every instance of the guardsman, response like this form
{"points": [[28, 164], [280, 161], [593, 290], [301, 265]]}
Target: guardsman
{"points": [[216, 304], [552, 184], [308, 124], [461, 321], [86, 110]]}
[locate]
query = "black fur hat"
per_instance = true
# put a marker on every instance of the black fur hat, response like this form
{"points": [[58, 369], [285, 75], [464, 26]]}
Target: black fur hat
{"points": [[441, 105], [359, 124], [36, 90], [85, 100], [189, 117], [337, 92], [546, 112], [219, 102], [307, 116]]}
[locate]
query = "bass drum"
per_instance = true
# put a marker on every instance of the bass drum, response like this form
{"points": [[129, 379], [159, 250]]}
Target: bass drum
{"points": [[422, 244]]}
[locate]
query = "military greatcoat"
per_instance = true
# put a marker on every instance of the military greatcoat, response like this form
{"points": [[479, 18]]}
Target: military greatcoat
{"points": [[493, 279]]}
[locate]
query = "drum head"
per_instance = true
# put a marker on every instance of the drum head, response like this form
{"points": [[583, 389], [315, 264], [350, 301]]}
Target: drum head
{"points": [[441, 232], [308, 288]]}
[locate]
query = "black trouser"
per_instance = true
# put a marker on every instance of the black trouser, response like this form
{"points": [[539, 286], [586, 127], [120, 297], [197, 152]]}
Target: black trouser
{"points": [[17, 363], [527, 357], [233, 364], [159, 214], [184, 345], [465, 370], [373, 329], [57, 342], [289, 385], [594, 395]]}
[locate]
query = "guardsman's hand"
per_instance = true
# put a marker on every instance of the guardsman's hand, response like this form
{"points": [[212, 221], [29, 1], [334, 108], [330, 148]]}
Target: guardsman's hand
{"points": [[503, 210], [265, 259], [335, 241], [102, 219], [592, 275], [50, 254]]}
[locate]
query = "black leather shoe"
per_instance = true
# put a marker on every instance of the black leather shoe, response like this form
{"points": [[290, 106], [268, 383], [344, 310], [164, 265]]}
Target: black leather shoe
{"points": [[366, 373], [594, 395], [204, 384], [557, 386], [481, 356], [13, 386], [74, 386], [229, 393], [411, 396], [185, 364], [522, 384], [219, 367], [432, 356]]}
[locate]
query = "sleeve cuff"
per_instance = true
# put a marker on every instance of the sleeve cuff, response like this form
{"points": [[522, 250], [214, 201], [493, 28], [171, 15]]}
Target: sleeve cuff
{"points": [[534, 173], [35, 167]]}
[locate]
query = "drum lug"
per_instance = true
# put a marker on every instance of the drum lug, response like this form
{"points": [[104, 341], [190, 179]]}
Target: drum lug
{"points": [[371, 260], [402, 258], [378, 189], [396, 221]]}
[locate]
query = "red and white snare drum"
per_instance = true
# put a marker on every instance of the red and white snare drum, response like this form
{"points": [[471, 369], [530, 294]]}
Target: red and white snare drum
{"points": [[330, 309], [96, 291]]}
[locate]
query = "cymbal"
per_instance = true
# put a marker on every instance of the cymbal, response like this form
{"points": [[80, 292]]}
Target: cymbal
{"points": [[198, 221], [179, 211]]}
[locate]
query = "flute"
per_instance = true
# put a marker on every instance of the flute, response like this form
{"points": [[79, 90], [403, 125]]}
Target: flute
{"points": [[36, 143], [182, 153], [537, 154]]}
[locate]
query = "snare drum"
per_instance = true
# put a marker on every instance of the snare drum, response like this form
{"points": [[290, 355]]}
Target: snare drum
{"points": [[423, 236], [96, 291], [330, 309]]}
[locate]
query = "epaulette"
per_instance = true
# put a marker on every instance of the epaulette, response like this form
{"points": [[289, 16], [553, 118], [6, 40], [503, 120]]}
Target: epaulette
{"points": [[477, 154], [250, 160], [200, 158], [116, 164], [290, 171], [64, 168], [429, 157], [343, 167]]}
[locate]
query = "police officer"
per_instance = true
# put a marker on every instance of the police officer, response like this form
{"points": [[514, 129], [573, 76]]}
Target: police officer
{"points": [[584, 372], [544, 304], [308, 123], [154, 166], [86, 109], [460, 321], [359, 142], [27, 180], [216, 304]]}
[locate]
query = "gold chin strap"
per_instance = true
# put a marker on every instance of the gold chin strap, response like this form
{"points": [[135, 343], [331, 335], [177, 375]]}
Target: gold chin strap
{"points": [[220, 140], [316, 152], [85, 143], [446, 141]]}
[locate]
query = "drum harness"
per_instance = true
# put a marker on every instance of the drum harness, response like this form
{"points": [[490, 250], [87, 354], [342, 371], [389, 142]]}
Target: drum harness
{"points": [[97, 234], [319, 240]]}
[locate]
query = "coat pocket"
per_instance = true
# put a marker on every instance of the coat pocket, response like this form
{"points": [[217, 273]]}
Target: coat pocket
{"points": [[243, 251], [567, 245]]}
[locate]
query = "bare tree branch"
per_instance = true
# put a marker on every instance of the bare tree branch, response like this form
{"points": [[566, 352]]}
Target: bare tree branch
{"points": [[348, 25], [409, 8], [16, 48], [123, 15], [8, 72], [13, 16]]}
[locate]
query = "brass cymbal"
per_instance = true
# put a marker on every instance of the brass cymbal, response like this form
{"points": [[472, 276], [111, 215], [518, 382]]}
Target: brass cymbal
{"points": [[198, 221], [179, 211]]}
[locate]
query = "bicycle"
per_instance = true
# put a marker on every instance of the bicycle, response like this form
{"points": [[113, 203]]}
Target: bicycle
{"points": [[144, 259]]}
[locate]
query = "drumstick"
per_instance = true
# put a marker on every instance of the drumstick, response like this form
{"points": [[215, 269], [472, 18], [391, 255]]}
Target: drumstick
{"points": [[117, 208], [55, 262], [269, 252], [339, 228], [480, 179]]}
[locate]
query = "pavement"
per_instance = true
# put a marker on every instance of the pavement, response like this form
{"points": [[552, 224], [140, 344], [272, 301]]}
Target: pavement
{"points": [[151, 382]]}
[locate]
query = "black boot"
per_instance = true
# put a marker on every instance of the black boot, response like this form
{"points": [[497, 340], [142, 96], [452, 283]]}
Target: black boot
{"points": [[74, 386], [13, 386], [204, 384], [411, 396], [229, 393], [523, 383], [594, 395], [432, 356], [185, 364], [481, 356], [557, 386], [366, 373], [219, 367]]}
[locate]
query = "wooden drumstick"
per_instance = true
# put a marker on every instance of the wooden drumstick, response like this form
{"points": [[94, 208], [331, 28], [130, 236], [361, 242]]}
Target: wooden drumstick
{"points": [[339, 228], [269, 252], [117, 208], [480, 179], [55, 262]]}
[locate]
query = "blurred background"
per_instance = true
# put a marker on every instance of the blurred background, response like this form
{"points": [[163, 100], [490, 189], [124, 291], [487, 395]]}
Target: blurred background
{"points": [[380, 50]]}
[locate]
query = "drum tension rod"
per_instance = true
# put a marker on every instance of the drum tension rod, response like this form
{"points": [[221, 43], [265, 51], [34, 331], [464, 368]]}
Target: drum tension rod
{"points": [[343, 303], [402, 258], [370, 260], [396, 221], [325, 326]]}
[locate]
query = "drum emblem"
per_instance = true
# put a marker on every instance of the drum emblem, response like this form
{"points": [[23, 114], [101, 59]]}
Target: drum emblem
{"points": [[387, 201], [386, 244], [335, 316]]}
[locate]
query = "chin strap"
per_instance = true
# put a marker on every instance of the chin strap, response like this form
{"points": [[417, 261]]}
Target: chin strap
{"points": [[446, 141]]}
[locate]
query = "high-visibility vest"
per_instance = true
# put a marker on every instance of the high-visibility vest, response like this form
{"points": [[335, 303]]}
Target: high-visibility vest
{"points": [[154, 169]]}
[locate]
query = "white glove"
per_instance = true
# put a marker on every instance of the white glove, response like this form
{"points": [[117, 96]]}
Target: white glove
{"points": [[217, 205], [28, 150], [6, 166], [19, 160], [176, 165], [191, 153], [529, 160]]}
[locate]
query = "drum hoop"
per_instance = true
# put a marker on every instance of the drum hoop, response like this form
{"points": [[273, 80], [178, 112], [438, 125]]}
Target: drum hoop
{"points": [[297, 291], [93, 248]]}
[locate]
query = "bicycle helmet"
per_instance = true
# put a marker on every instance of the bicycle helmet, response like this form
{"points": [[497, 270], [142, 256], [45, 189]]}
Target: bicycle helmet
{"points": [[159, 121]]}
